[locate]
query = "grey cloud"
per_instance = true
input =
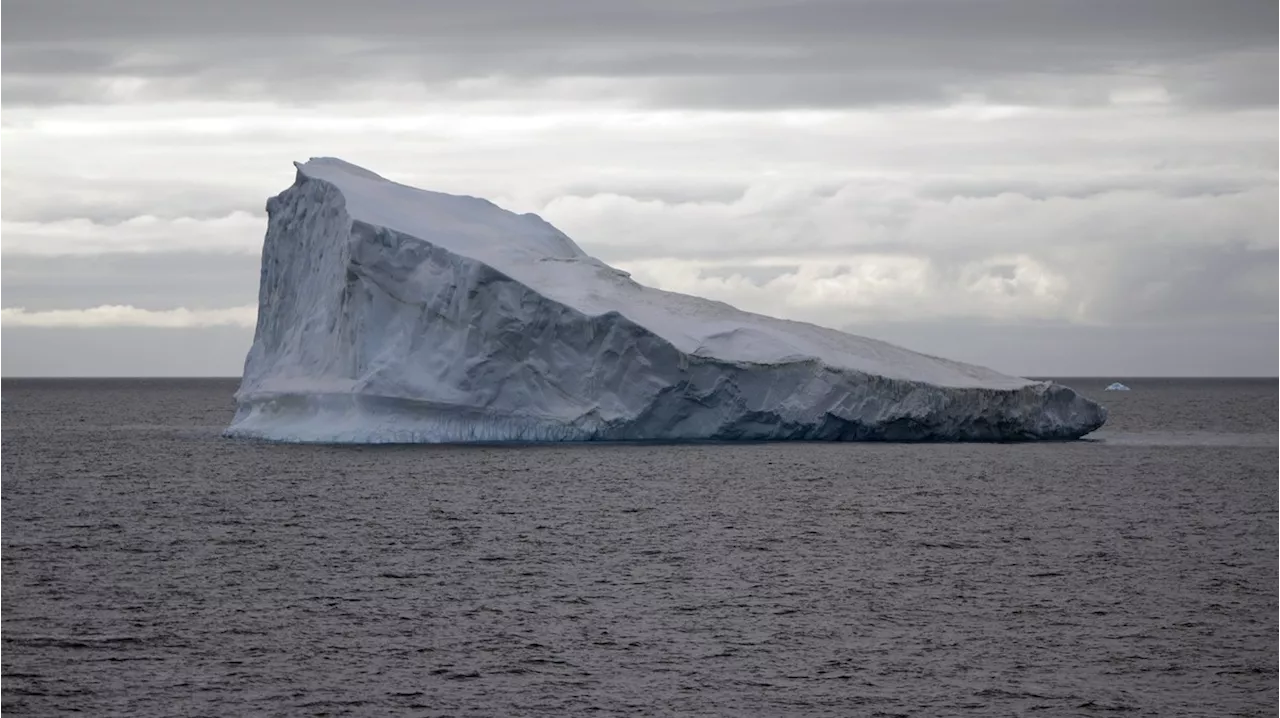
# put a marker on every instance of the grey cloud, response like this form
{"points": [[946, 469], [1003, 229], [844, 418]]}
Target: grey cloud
{"points": [[812, 91], [126, 351], [1188, 284], [1179, 186], [730, 254], [1145, 281], [1233, 80], [146, 281], [723, 54], [665, 191], [104, 213], [1228, 22], [1080, 220], [758, 275], [1238, 348], [110, 200], [1118, 261], [43, 60], [1002, 271]]}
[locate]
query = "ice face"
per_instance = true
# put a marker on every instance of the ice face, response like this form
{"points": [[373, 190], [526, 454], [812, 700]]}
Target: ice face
{"points": [[387, 313], [1117, 386]]}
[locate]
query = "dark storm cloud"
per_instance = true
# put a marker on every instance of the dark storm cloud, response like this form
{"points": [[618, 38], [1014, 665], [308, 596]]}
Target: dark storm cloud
{"points": [[716, 53]]}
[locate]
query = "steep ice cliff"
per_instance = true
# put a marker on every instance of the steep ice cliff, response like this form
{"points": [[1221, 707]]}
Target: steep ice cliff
{"points": [[392, 314]]}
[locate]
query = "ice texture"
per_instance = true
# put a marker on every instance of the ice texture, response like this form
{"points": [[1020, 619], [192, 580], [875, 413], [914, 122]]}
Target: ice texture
{"points": [[392, 314], [1117, 386]]}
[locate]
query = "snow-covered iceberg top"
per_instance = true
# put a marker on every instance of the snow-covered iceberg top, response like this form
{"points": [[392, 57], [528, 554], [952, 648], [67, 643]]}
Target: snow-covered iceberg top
{"points": [[1117, 386], [388, 313]]}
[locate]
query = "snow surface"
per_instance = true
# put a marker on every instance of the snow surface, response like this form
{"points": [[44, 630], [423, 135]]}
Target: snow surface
{"points": [[389, 313], [1117, 386]]}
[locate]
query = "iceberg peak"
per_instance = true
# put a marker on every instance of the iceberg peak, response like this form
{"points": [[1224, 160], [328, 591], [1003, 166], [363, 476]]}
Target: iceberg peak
{"points": [[390, 313], [321, 165]]}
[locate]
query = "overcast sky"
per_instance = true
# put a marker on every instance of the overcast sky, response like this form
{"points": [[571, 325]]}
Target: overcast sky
{"points": [[1047, 187]]}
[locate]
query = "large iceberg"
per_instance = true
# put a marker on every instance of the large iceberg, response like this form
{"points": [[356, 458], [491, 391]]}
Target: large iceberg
{"points": [[392, 314]]}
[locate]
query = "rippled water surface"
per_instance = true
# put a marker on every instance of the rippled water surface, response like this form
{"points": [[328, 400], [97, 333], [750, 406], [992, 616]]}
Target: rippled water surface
{"points": [[151, 568]]}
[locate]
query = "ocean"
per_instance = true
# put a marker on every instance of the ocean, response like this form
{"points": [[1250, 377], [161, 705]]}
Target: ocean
{"points": [[153, 568]]}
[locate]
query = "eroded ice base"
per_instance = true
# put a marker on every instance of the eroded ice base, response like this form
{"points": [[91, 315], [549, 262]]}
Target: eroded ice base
{"points": [[932, 415]]}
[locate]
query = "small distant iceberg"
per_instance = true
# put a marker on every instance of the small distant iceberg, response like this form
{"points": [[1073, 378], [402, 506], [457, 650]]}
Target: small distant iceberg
{"points": [[1117, 386]]}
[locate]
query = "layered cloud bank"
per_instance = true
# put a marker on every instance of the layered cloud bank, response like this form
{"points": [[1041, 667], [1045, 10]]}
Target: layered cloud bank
{"points": [[126, 316], [981, 161]]}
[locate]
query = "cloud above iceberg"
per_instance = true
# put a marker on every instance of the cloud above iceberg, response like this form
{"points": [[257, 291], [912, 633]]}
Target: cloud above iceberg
{"points": [[127, 316], [706, 53], [1092, 163]]}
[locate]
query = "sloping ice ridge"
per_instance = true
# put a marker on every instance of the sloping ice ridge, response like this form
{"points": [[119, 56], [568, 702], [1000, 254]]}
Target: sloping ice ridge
{"points": [[392, 314]]}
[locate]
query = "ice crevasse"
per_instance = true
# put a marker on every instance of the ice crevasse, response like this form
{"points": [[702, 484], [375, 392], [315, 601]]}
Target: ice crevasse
{"points": [[392, 314]]}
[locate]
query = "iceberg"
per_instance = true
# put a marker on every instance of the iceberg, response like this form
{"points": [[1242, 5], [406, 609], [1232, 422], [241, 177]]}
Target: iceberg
{"points": [[392, 314], [1117, 386]]}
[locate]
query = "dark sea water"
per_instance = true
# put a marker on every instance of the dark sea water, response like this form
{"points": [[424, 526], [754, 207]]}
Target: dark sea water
{"points": [[151, 568]]}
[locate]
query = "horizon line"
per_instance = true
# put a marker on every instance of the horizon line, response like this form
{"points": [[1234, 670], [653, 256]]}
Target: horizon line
{"points": [[1020, 376]]}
